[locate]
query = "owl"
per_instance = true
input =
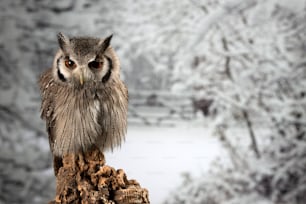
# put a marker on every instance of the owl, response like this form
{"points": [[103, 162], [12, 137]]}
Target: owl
{"points": [[84, 101]]}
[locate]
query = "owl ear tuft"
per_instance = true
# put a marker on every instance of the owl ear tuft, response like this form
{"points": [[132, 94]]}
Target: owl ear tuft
{"points": [[63, 41], [103, 45]]}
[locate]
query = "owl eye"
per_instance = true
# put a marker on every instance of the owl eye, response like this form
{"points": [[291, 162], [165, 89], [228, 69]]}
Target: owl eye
{"points": [[95, 65], [70, 64]]}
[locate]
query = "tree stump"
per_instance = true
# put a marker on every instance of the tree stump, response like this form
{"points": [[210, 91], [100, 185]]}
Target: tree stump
{"points": [[85, 179]]}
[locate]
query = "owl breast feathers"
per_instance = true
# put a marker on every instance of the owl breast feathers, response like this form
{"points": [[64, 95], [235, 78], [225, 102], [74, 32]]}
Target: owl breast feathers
{"points": [[84, 102]]}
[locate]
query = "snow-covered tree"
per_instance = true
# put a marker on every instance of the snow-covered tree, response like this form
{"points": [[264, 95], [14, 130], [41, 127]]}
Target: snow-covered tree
{"points": [[252, 65]]}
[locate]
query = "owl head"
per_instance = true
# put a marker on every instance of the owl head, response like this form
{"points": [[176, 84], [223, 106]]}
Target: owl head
{"points": [[84, 60]]}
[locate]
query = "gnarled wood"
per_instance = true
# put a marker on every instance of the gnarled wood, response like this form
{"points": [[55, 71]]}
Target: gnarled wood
{"points": [[85, 179]]}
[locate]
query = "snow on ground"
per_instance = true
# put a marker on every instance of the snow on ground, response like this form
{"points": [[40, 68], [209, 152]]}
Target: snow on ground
{"points": [[157, 156]]}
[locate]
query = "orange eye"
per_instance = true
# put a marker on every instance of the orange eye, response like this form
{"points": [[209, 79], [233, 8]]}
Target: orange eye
{"points": [[70, 64], [95, 65]]}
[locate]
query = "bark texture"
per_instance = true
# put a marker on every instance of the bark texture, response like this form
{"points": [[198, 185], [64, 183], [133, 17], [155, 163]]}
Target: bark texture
{"points": [[85, 179]]}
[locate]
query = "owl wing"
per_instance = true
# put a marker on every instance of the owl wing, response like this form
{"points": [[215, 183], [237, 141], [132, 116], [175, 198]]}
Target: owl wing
{"points": [[48, 89], [113, 115]]}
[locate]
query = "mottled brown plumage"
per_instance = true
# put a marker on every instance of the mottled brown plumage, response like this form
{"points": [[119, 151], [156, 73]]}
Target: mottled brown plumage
{"points": [[84, 102]]}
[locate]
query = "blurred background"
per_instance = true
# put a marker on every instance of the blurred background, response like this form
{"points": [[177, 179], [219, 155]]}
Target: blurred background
{"points": [[217, 111]]}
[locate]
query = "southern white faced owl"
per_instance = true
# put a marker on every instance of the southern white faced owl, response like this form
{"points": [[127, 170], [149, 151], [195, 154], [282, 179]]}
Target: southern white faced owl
{"points": [[84, 101]]}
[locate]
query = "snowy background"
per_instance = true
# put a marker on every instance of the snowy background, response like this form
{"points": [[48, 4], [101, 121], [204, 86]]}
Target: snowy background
{"points": [[217, 111]]}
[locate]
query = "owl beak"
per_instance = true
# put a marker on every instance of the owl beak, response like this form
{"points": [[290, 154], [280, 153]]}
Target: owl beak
{"points": [[81, 78]]}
